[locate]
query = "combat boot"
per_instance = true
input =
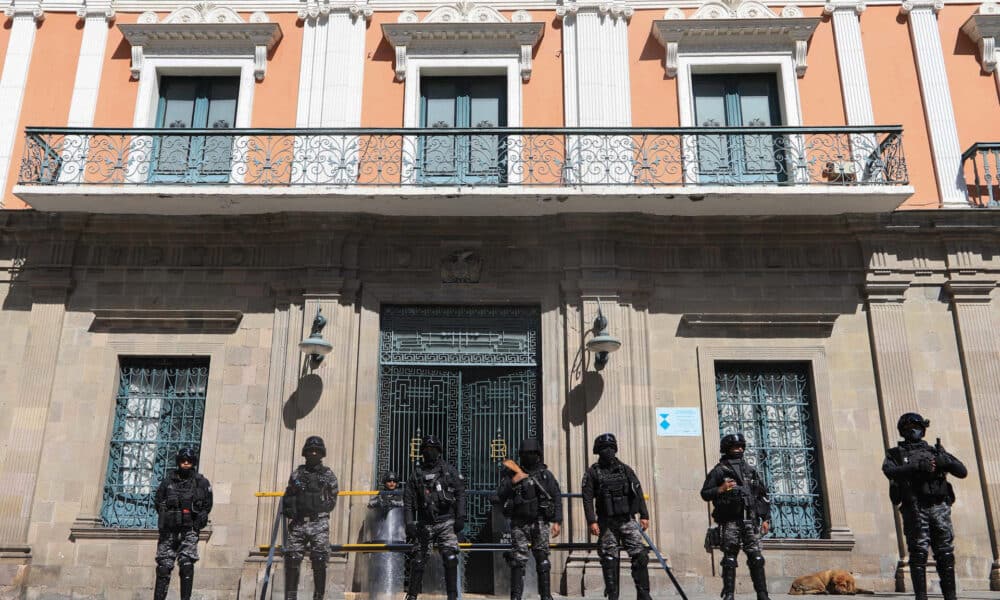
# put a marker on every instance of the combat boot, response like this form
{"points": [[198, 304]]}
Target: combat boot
{"points": [[640, 575], [918, 576], [162, 583], [544, 585], [609, 568], [292, 570], [319, 579], [187, 580], [516, 582], [451, 576], [728, 577], [756, 564], [416, 580], [946, 571]]}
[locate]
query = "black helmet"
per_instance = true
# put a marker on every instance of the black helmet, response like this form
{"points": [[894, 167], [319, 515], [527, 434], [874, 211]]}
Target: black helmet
{"points": [[731, 440], [187, 454], [314, 442], [389, 476], [430, 441], [531, 445], [605, 440], [909, 420]]}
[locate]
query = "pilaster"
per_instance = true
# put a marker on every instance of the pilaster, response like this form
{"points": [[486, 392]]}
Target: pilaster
{"points": [[979, 351], [26, 16], [936, 93], [851, 59], [96, 15]]}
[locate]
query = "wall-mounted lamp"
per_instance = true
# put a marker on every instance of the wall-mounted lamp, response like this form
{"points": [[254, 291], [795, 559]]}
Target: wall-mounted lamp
{"points": [[314, 345], [603, 343]]}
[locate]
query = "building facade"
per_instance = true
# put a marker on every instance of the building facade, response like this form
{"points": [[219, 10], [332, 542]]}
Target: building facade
{"points": [[786, 214]]}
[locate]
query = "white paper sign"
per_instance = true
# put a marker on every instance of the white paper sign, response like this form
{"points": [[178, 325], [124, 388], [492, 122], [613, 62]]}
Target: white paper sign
{"points": [[678, 421]]}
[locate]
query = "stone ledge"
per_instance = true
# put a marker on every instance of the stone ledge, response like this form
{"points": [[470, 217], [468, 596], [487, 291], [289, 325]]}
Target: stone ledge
{"points": [[837, 545], [88, 528], [151, 321]]}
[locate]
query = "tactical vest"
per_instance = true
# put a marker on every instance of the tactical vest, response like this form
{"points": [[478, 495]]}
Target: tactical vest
{"points": [[614, 491], [524, 504], [922, 487], [438, 493], [310, 499], [183, 502]]}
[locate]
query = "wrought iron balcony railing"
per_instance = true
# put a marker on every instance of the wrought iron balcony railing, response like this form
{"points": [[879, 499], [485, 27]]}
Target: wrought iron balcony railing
{"points": [[528, 157], [984, 160]]}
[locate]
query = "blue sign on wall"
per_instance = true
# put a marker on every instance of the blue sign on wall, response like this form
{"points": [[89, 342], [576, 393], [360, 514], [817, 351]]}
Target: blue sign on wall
{"points": [[678, 421]]}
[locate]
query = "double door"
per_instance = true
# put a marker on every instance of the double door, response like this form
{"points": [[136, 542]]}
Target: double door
{"points": [[195, 103]]}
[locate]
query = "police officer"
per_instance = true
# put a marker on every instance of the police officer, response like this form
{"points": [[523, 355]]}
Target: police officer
{"points": [[183, 501], [917, 474], [742, 508], [534, 506], [618, 494], [434, 513], [309, 499], [388, 497]]}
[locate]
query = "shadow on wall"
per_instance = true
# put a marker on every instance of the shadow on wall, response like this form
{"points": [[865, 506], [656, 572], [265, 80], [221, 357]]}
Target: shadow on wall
{"points": [[303, 400], [582, 399]]}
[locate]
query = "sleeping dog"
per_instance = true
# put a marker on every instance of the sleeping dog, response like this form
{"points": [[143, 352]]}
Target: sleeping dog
{"points": [[831, 581]]}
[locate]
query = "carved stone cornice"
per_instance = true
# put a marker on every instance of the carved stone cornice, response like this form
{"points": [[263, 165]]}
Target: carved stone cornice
{"points": [[749, 26], [202, 29], [983, 28], [887, 291], [972, 290], [463, 29]]}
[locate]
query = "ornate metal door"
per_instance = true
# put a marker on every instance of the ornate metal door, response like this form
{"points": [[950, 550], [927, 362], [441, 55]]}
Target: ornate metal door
{"points": [[467, 374]]}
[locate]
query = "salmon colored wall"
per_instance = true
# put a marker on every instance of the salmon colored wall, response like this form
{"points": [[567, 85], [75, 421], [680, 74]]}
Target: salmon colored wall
{"points": [[4, 40], [49, 87], [382, 100], [974, 94], [542, 96], [895, 88], [654, 96], [117, 94], [275, 100], [820, 95]]}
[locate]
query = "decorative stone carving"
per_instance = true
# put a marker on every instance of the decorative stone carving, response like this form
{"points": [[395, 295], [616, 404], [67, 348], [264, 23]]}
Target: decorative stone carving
{"points": [[202, 29], [983, 28], [461, 266], [734, 26], [97, 8], [315, 9], [463, 29], [25, 9], [611, 9]]}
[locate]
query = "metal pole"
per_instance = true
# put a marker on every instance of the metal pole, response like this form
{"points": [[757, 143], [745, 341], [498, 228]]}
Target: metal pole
{"points": [[278, 519], [663, 562]]}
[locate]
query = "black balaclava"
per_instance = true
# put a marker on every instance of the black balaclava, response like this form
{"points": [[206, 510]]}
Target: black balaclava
{"points": [[914, 434], [606, 455], [313, 459], [431, 454], [185, 473], [731, 453], [530, 460]]}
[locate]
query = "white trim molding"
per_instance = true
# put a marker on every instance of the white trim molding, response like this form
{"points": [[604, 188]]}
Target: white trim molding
{"points": [[202, 29], [845, 15], [936, 94], [748, 27], [983, 28], [463, 29], [26, 16]]}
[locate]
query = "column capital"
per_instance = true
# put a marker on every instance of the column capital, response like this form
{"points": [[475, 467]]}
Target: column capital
{"points": [[910, 6], [970, 290], [614, 9], [97, 9], [880, 292], [25, 9], [857, 7]]}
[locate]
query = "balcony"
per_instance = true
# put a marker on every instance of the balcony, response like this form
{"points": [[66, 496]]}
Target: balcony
{"points": [[982, 162], [479, 171]]}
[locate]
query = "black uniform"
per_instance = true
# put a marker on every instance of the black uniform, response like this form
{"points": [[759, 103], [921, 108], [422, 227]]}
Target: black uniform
{"points": [[918, 474], [739, 513], [531, 504], [434, 512], [183, 502], [309, 499], [619, 497]]}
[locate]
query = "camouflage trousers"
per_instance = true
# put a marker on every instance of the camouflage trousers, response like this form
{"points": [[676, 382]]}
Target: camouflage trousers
{"points": [[527, 539], [440, 534], [740, 534], [310, 535], [179, 546], [928, 526], [620, 532]]}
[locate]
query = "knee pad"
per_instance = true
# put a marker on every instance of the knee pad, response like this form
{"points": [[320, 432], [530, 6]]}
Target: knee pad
{"points": [[728, 561], [946, 559], [543, 565], [293, 559], [449, 556], [918, 559], [755, 560], [609, 561], [319, 559], [186, 568], [640, 560], [163, 569]]}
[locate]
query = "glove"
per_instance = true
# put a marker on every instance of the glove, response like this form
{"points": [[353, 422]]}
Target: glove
{"points": [[925, 465], [459, 525], [412, 531]]}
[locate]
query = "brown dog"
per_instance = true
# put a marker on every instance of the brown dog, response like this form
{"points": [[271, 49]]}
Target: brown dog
{"points": [[831, 581]]}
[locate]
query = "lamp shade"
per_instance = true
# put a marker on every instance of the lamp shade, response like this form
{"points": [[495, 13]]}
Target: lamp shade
{"points": [[315, 345], [603, 343]]}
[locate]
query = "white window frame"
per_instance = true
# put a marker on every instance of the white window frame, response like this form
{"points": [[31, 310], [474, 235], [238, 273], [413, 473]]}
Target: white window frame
{"points": [[148, 98], [781, 64], [434, 66]]}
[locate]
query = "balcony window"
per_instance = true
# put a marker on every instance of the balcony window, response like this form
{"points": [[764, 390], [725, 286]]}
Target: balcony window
{"points": [[463, 103], [159, 409], [738, 100], [195, 103]]}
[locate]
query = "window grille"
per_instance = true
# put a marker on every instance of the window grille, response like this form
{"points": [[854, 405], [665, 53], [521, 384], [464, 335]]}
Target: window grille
{"points": [[772, 405], [160, 408]]}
